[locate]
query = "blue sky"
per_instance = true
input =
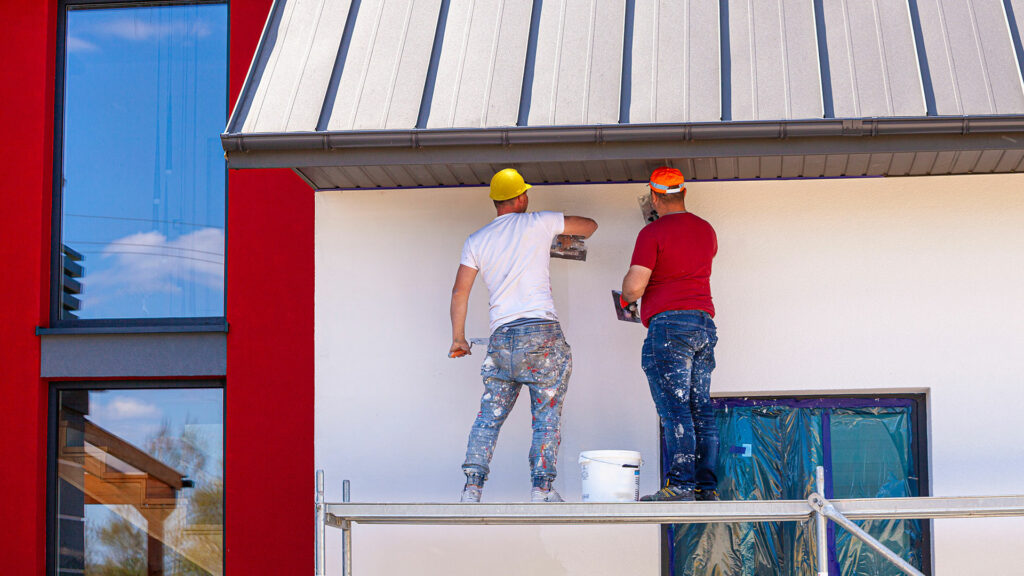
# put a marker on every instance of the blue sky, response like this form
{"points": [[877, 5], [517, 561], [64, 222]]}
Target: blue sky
{"points": [[144, 175]]}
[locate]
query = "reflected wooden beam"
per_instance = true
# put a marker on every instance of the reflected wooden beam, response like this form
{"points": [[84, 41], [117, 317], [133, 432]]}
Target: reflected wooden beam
{"points": [[181, 541], [132, 455]]}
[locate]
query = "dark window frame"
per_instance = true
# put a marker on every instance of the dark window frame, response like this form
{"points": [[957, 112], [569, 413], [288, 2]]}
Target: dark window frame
{"points": [[60, 325], [919, 449], [52, 430]]}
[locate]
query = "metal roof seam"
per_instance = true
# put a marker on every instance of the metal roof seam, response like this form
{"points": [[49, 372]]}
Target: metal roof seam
{"points": [[294, 92], [1014, 32], [950, 62], [848, 36], [361, 84], [389, 96], [787, 101], [982, 57], [334, 81], [485, 101], [883, 60], [250, 74], [461, 68], [271, 66]]}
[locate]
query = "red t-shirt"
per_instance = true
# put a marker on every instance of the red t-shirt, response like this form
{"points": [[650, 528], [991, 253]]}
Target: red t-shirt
{"points": [[678, 248]]}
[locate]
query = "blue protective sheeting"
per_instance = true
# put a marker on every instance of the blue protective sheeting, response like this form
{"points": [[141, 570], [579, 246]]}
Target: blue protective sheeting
{"points": [[769, 451]]}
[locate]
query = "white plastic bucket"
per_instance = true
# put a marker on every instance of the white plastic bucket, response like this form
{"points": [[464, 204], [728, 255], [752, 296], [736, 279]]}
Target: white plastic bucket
{"points": [[610, 475]]}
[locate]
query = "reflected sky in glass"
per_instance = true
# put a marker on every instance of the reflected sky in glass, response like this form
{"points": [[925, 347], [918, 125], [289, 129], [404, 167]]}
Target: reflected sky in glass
{"points": [[138, 416], [143, 169]]}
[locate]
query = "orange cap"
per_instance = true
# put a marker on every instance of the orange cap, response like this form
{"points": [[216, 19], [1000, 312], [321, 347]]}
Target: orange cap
{"points": [[667, 180]]}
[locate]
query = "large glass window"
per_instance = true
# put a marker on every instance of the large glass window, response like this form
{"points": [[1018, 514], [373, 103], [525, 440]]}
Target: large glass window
{"points": [[142, 184], [140, 482], [869, 448]]}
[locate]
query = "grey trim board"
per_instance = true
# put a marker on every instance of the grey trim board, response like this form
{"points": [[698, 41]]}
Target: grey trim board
{"points": [[133, 355]]}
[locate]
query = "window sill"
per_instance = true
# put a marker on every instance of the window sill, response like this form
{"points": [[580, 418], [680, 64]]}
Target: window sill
{"points": [[127, 329]]}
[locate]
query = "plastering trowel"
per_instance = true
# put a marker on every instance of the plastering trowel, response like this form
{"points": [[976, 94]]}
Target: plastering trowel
{"points": [[628, 313], [472, 342], [646, 208], [569, 247]]}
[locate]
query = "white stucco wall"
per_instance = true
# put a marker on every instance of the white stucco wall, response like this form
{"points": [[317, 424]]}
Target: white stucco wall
{"points": [[827, 286]]}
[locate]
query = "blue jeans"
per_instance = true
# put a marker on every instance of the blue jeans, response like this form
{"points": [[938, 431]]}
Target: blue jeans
{"points": [[534, 355], [678, 357]]}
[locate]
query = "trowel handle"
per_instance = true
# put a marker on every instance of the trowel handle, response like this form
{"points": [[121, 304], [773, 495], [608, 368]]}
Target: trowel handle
{"points": [[630, 306]]}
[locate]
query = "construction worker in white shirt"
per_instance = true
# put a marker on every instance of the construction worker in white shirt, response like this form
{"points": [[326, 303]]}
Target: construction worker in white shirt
{"points": [[526, 346]]}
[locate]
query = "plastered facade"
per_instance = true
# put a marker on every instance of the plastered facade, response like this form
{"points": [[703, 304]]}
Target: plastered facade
{"points": [[821, 286]]}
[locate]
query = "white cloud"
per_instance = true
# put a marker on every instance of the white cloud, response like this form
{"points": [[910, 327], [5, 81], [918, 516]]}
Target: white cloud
{"points": [[125, 408], [138, 29], [149, 263], [76, 44]]}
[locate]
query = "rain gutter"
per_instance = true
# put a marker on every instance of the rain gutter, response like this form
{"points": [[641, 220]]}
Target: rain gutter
{"points": [[623, 133]]}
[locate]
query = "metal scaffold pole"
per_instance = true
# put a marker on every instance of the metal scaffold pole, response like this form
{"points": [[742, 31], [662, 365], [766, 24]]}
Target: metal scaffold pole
{"points": [[822, 525], [843, 512], [825, 511], [346, 533], [321, 526], [852, 528]]}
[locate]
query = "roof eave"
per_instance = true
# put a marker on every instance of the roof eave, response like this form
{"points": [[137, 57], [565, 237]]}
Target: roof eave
{"points": [[551, 143]]}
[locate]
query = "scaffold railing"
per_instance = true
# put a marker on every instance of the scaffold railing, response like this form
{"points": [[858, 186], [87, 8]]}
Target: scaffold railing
{"points": [[841, 511]]}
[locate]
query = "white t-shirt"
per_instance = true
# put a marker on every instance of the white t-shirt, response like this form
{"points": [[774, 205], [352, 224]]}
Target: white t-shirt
{"points": [[513, 253]]}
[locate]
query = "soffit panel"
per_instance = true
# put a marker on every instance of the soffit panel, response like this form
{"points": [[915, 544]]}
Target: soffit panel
{"points": [[694, 169]]}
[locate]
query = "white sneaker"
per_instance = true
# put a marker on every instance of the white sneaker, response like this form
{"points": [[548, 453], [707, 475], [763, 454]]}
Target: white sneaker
{"points": [[539, 495], [471, 493]]}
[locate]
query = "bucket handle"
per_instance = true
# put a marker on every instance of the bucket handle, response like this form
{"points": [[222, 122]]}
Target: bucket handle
{"points": [[637, 466]]}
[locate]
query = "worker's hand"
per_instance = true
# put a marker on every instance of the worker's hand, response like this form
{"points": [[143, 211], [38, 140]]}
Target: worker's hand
{"points": [[630, 306], [459, 349]]}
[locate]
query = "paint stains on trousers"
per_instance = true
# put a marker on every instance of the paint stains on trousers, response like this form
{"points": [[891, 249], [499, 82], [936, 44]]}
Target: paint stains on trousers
{"points": [[531, 355], [678, 357]]}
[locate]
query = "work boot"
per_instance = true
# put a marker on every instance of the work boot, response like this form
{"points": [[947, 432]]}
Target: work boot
{"points": [[706, 495], [471, 493], [670, 494], [542, 495]]}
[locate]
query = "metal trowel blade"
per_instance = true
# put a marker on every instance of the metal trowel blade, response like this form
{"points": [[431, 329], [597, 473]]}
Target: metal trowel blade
{"points": [[569, 248], [646, 208]]}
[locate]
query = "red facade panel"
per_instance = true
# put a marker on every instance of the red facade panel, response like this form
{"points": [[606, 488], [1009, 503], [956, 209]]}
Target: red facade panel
{"points": [[269, 393], [269, 389], [26, 92]]}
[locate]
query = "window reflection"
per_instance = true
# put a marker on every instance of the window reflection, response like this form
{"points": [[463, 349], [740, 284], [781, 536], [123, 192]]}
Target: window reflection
{"points": [[140, 482], [143, 182]]}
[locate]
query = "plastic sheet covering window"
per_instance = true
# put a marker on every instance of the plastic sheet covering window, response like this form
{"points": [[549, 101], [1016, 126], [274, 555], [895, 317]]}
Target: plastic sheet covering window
{"points": [[769, 451]]}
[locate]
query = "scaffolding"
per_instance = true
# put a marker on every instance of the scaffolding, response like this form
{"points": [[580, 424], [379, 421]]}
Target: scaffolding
{"points": [[840, 511]]}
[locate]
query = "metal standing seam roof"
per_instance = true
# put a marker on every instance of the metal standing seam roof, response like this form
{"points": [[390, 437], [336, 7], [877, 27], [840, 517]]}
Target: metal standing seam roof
{"points": [[369, 93]]}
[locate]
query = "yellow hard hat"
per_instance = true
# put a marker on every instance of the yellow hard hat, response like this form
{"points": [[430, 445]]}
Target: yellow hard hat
{"points": [[507, 184]]}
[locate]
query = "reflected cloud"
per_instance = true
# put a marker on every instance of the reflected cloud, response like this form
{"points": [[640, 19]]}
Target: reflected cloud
{"points": [[76, 44], [139, 29], [124, 408], [149, 263]]}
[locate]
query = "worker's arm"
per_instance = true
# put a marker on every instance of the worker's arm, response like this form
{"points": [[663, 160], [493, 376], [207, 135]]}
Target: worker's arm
{"points": [[635, 282], [460, 305], [579, 226]]}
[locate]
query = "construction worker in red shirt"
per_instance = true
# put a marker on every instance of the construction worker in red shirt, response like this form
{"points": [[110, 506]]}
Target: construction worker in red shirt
{"points": [[670, 272]]}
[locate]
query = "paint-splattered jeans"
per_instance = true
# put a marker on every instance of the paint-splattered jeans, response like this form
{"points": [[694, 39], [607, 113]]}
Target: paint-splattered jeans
{"points": [[678, 357], [534, 355]]}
